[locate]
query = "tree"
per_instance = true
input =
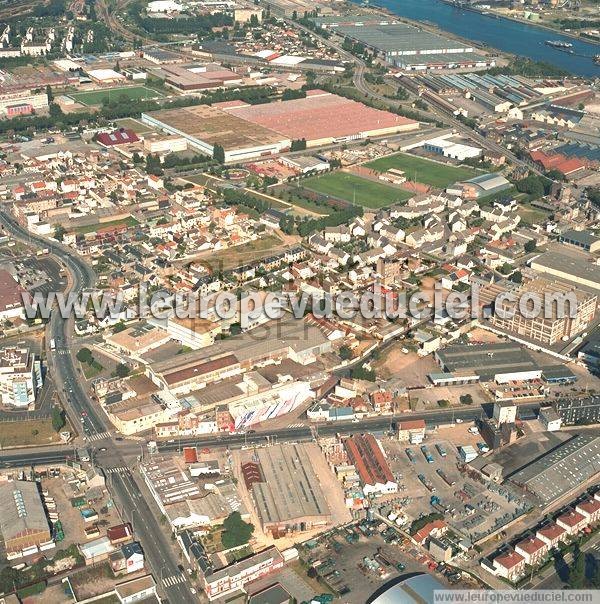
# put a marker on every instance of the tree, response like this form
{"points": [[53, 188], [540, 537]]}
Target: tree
{"points": [[219, 154], [345, 353], [58, 419], [59, 232], [85, 356], [577, 570], [466, 399], [516, 277], [530, 246], [121, 370], [49, 94], [119, 327], [235, 531]]}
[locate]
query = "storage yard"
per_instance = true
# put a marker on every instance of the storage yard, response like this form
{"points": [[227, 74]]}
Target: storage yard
{"points": [[471, 510], [97, 97]]}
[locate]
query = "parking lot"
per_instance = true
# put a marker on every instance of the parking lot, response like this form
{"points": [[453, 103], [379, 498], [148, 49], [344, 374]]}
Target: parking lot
{"points": [[357, 560], [472, 509]]}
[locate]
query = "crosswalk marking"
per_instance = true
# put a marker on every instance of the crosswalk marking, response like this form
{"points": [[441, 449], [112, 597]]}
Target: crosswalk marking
{"points": [[297, 425], [174, 580], [99, 436], [117, 470]]}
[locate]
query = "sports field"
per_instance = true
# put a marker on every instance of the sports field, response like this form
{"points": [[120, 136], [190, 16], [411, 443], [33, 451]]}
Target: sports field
{"points": [[352, 188], [95, 97], [422, 170]]}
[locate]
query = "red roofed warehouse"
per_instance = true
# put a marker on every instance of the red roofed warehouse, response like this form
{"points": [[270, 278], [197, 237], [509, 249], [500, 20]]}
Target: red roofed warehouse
{"points": [[367, 457], [11, 302], [124, 136]]}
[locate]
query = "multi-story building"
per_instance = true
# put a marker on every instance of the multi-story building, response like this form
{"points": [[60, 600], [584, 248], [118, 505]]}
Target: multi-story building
{"points": [[510, 565], [551, 534], [550, 325], [532, 549], [24, 101], [573, 522], [232, 578], [20, 376], [578, 410]]}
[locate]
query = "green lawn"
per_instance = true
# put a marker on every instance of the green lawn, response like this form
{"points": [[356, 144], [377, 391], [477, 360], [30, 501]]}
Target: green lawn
{"points": [[95, 97], [351, 188], [422, 170]]}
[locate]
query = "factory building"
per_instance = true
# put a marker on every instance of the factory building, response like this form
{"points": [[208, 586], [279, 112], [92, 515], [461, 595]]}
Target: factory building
{"points": [[249, 131], [286, 491], [575, 267], [23, 520], [561, 470], [365, 453], [578, 411], [572, 312], [22, 103], [501, 362], [581, 239]]}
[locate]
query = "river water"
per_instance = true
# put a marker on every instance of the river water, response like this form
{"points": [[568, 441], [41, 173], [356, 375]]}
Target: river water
{"points": [[504, 34]]}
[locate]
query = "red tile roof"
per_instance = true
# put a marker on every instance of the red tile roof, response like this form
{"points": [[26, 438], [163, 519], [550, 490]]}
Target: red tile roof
{"points": [[509, 560], [366, 456], [10, 291], [557, 162], [571, 518], [531, 545], [590, 506], [413, 424], [118, 137], [190, 454], [552, 531]]}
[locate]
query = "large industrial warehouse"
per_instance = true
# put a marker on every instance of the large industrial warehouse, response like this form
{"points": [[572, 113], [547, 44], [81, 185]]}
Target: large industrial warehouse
{"points": [[250, 131], [322, 118], [561, 470], [23, 520], [407, 46], [204, 127], [501, 362], [286, 490]]}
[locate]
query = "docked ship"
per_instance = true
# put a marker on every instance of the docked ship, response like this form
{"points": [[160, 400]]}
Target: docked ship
{"points": [[558, 44]]}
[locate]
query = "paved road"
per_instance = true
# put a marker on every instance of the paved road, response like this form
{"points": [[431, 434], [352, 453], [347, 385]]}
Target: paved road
{"points": [[157, 547], [82, 410]]}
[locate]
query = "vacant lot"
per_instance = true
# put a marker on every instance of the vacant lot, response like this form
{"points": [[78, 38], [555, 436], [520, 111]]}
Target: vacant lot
{"points": [[25, 433], [130, 221], [422, 170], [240, 255], [358, 190], [133, 93]]}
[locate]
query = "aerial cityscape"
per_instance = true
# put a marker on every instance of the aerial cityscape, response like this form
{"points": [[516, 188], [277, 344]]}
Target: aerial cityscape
{"points": [[299, 301]]}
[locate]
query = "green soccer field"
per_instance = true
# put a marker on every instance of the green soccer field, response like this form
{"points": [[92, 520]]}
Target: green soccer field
{"points": [[349, 187], [134, 93], [422, 170]]}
